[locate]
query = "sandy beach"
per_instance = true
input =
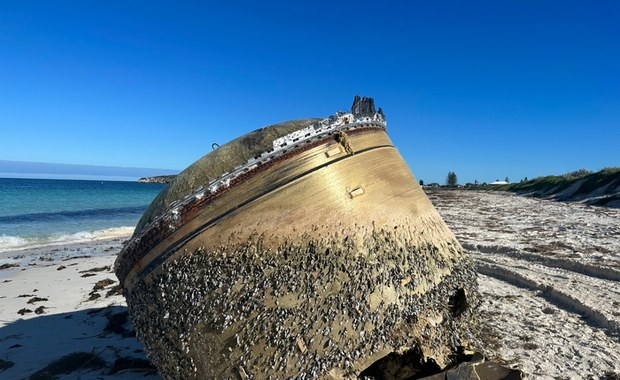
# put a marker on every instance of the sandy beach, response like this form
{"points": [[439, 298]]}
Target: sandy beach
{"points": [[550, 274], [550, 280], [64, 302]]}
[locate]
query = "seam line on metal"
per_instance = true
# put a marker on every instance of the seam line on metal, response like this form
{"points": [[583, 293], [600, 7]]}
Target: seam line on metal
{"points": [[198, 230]]}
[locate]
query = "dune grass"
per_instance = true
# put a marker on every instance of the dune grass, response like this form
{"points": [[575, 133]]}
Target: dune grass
{"points": [[553, 184]]}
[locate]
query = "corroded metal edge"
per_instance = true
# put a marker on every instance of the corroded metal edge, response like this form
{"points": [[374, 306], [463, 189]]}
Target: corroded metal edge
{"points": [[285, 148]]}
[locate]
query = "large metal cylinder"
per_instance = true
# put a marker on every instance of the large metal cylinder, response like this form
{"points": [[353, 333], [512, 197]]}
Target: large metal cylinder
{"points": [[303, 249]]}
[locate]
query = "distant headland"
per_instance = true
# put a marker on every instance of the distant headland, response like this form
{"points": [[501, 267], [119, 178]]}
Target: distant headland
{"points": [[24, 169], [158, 179]]}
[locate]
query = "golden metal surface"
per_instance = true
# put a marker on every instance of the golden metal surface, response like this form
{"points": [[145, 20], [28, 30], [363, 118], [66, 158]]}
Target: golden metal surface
{"points": [[315, 190], [354, 200]]}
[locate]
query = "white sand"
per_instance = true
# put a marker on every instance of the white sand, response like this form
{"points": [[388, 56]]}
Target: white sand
{"points": [[551, 283], [70, 322]]}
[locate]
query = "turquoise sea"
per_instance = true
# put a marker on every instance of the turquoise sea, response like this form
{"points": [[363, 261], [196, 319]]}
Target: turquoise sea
{"points": [[43, 211]]}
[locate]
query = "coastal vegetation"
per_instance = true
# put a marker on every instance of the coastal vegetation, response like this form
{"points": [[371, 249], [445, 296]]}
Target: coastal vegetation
{"points": [[600, 188], [451, 179]]}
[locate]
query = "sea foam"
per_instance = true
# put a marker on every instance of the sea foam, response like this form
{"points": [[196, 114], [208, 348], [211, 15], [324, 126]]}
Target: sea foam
{"points": [[15, 243]]}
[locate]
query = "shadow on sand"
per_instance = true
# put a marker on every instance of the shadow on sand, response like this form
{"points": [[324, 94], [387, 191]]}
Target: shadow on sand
{"points": [[90, 343]]}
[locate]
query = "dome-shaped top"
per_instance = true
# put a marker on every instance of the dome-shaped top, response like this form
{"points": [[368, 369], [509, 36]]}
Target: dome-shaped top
{"points": [[219, 161]]}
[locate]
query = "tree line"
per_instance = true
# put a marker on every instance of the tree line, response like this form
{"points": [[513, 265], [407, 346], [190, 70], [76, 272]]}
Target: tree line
{"points": [[452, 180]]}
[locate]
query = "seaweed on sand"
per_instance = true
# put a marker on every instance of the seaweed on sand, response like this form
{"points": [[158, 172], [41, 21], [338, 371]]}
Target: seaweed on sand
{"points": [[69, 363]]}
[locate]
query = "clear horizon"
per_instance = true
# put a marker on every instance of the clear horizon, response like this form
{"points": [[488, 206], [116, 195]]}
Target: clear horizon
{"points": [[44, 170], [485, 89], [94, 173]]}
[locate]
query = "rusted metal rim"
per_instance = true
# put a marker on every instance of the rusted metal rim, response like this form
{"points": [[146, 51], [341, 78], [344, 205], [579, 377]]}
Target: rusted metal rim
{"points": [[166, 234]]}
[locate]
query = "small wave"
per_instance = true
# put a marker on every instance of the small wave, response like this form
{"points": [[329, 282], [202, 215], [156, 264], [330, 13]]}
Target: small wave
{"points": [[8, 242], [14, 243], [47, 217]]}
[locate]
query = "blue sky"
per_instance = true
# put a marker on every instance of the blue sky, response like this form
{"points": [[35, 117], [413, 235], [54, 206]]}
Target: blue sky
{"points": [[487, 89]]}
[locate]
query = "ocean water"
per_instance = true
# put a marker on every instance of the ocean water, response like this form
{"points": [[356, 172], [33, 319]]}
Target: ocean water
{"points": [[47, 211]]}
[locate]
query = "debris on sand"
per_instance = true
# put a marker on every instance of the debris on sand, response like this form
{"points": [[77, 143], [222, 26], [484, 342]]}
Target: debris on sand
{"points": [[36, 299], [102, 284], [24, 311], [68, 364], [117, 324], [5, 364]]}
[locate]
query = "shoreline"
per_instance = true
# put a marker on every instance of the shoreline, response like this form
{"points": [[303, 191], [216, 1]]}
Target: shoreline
{"points": [[64, 242]]}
